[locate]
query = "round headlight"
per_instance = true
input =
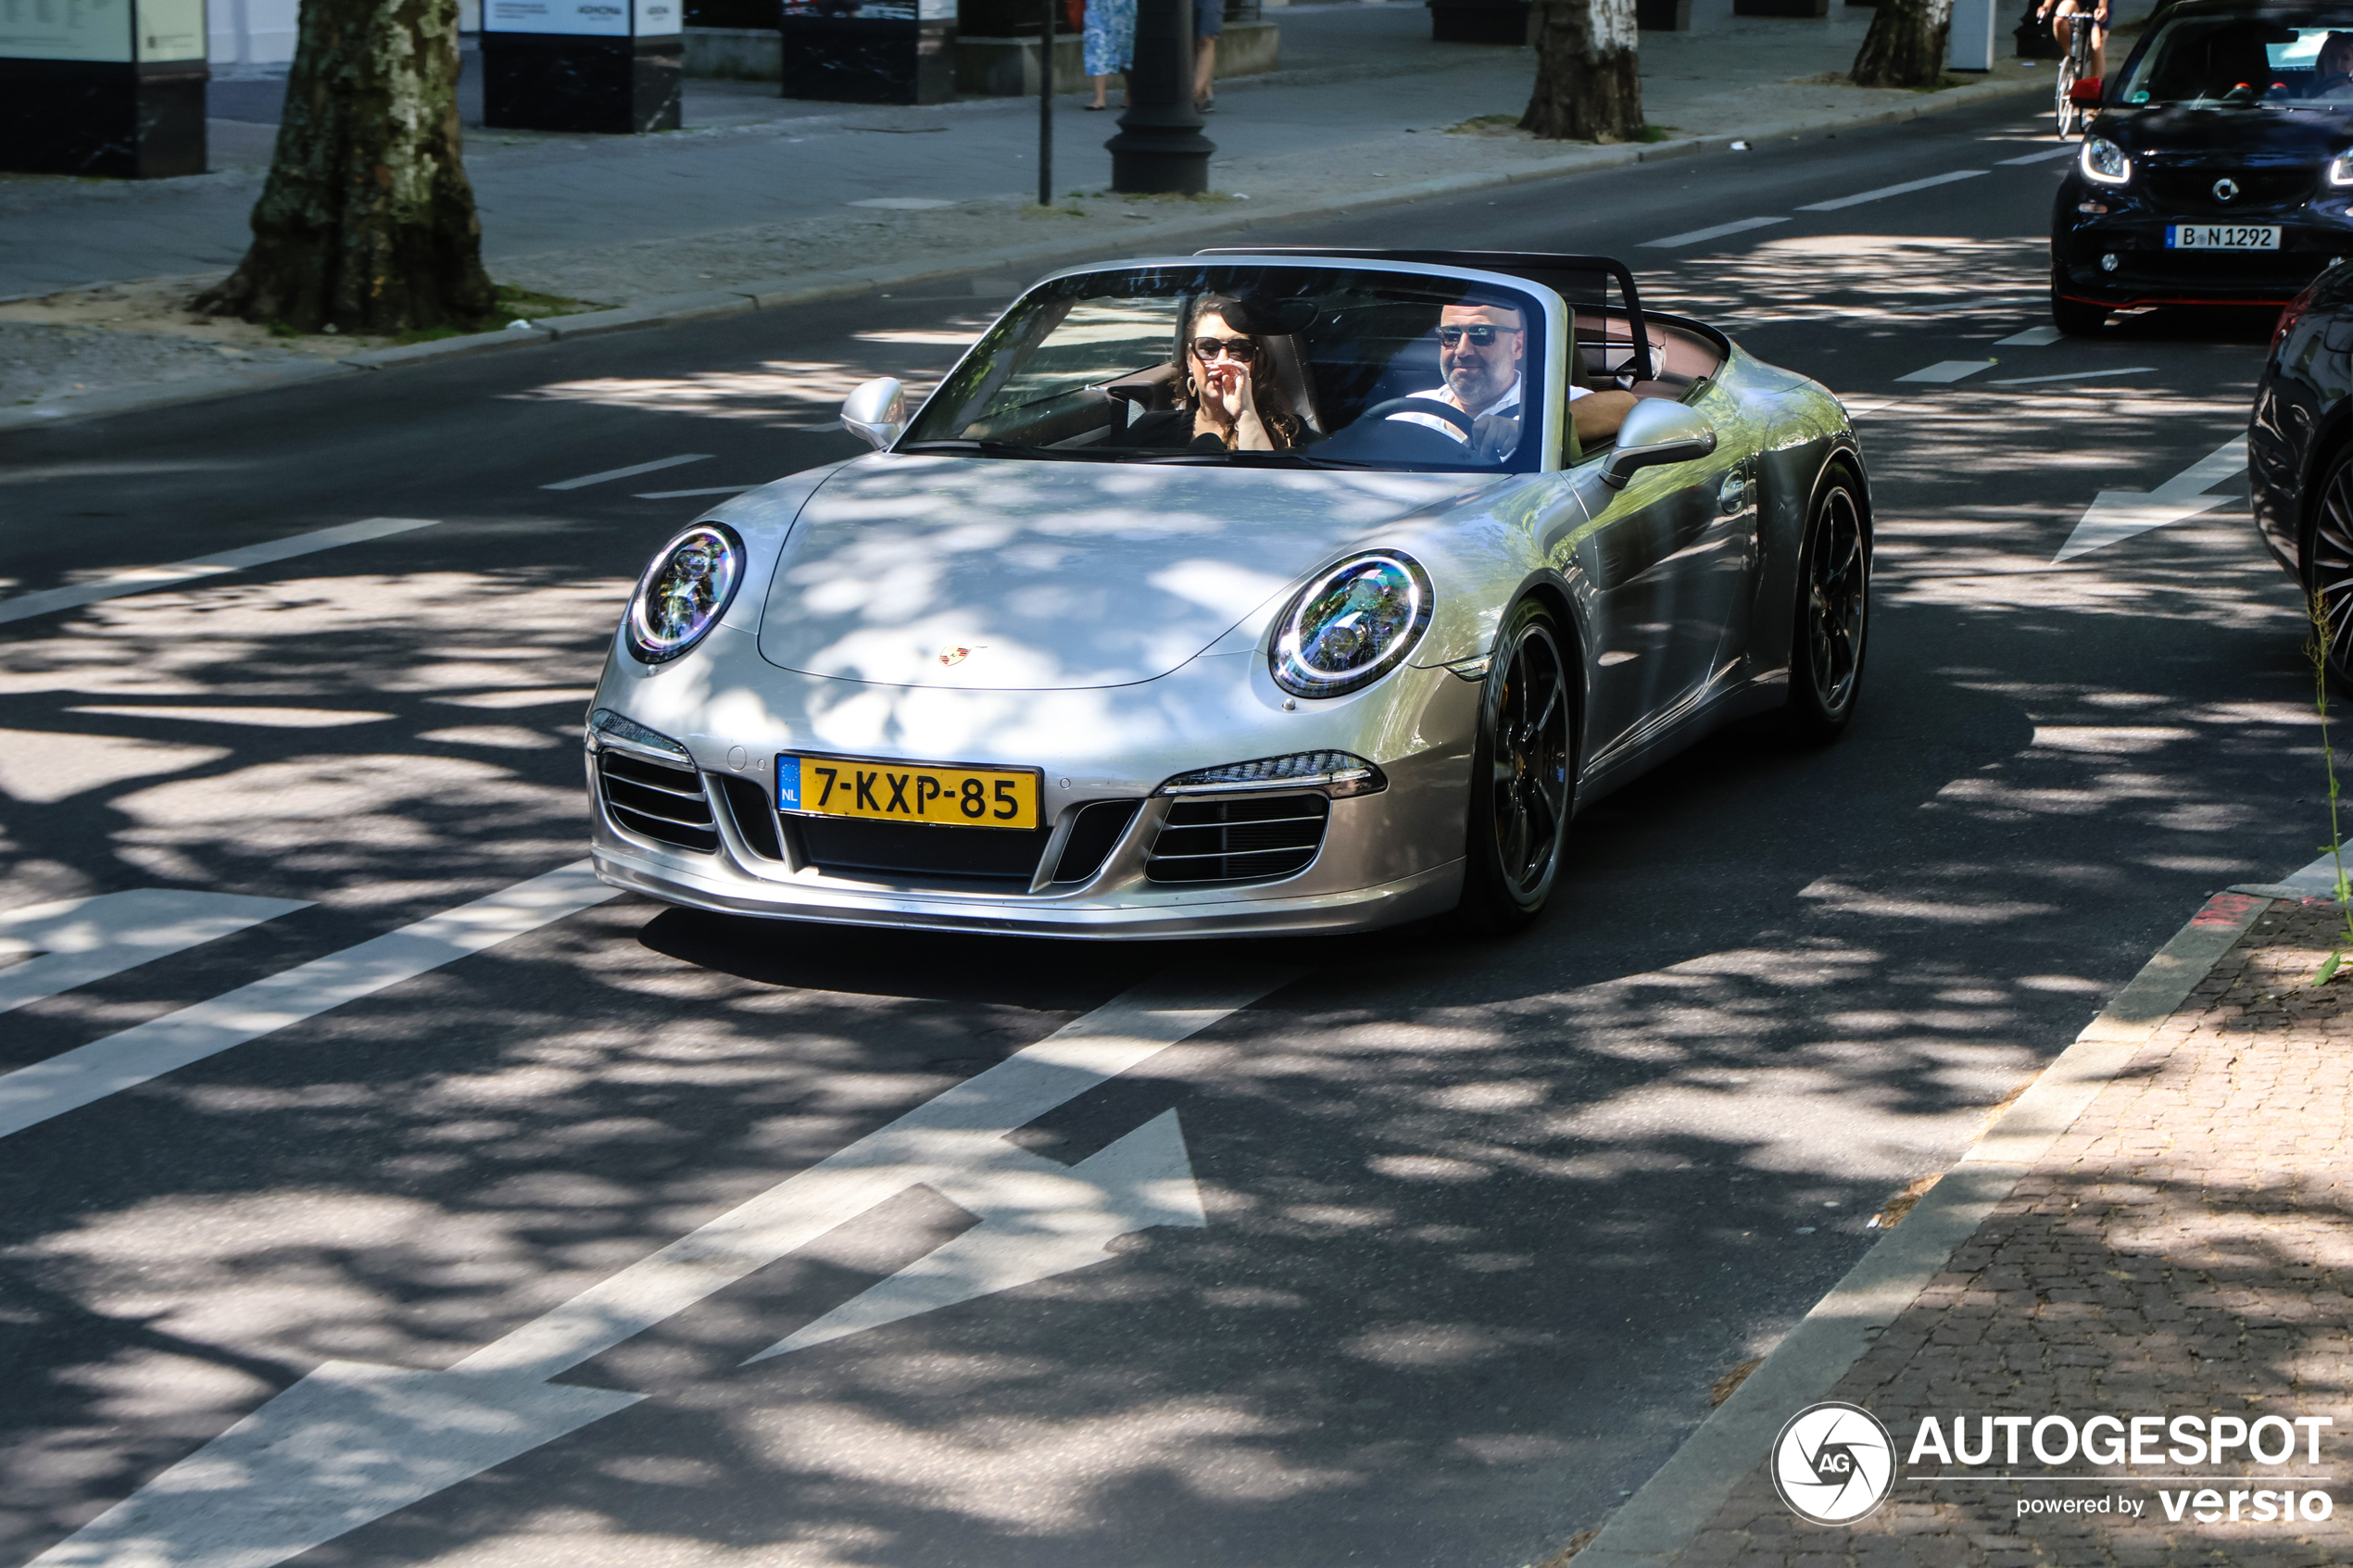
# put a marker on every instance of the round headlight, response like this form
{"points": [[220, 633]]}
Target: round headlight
{"points": [[2104, 161], [685, 592], [1351, 625]]}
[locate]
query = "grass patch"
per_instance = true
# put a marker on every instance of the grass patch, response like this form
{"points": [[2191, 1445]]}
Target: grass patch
{"points": [[1657, 132]]}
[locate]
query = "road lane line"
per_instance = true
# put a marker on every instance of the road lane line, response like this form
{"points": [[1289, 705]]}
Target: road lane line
{"points": [[2032, 337], [30, 1096], [2076, 375], [1950, 370], [630, 472], [706, 490], [1886, 190], [2044, 157], [138, 579], [79, 940], [352, 1442], [1718, 232]]}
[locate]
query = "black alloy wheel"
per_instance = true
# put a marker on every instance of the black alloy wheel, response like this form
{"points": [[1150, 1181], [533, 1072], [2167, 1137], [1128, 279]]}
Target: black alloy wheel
{"points": [[2073, 317], [2328, 565], [1523, 770], [1833, 612]]}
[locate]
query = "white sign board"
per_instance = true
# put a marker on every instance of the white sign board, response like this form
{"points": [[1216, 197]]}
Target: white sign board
{"points": [[1972, 38], [581, 18], [108, 31]]}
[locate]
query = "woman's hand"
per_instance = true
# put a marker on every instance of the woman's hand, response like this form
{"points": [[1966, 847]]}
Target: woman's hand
{"points": [[1229, 405]]}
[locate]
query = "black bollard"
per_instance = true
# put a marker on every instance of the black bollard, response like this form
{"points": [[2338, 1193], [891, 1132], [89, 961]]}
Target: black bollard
{"points": [[1160, 146]]}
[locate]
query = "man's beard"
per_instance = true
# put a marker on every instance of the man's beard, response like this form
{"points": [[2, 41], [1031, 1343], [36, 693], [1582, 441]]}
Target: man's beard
{"points": [[1472, 385]]}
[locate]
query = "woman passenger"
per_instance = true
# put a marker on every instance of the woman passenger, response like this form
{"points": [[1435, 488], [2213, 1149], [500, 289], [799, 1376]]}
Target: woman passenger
{"points": [[1229, 397]]}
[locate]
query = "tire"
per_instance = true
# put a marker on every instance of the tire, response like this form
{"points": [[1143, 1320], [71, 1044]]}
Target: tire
{"points": [[2328, 562], [1523, 777], [1833, 612], [2073, 317]]}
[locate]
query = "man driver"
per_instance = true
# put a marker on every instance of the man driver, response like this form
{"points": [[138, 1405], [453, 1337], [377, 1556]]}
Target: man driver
{"points": [[1481, 348]]}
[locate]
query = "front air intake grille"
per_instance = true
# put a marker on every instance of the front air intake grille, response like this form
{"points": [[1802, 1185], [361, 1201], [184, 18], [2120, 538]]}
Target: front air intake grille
{"points": [[657, 800], [2190, 191], [1092, 837], [909, 852], [1259, 839], [755, 815]]}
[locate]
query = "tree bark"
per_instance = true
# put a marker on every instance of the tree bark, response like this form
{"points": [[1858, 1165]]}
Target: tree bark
{"points": [[1906, 44], [1589, 86], [367, 222]]}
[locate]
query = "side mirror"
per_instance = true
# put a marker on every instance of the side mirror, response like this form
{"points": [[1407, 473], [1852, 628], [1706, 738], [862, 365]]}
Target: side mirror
{"points": [[875, 410], [2086, 93], [1655, 432]]}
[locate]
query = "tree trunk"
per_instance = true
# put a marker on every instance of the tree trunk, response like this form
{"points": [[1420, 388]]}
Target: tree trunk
{"points": [[1906, 44], [366, 223], [1589, 86]]}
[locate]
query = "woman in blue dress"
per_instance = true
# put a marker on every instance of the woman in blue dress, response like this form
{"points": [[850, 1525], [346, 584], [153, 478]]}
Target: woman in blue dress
{"points": [[1110, 45]]}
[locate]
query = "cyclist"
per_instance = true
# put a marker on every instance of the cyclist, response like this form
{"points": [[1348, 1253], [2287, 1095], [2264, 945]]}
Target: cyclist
{"points": [[2063, 27]]}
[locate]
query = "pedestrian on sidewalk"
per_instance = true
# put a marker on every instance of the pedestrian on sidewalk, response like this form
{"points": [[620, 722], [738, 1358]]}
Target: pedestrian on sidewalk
{"points": [[1209, 20], [1110, 45]]}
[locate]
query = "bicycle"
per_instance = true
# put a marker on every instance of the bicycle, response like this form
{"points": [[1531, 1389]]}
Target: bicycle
{"points": [[2075, 66]]}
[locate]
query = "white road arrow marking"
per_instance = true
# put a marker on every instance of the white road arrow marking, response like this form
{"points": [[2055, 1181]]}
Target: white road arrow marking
{"points": [[1038, 1219], [30, 1096], [79, 940], [351, 1443], [2121, 514]]}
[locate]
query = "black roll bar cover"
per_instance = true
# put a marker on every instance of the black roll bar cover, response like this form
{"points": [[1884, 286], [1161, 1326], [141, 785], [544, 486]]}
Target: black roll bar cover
{"points": [[1531, 266]]}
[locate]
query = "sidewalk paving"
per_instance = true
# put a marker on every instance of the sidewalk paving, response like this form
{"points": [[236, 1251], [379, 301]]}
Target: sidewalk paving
{"points": [[2183, 1248], [761, 190]]}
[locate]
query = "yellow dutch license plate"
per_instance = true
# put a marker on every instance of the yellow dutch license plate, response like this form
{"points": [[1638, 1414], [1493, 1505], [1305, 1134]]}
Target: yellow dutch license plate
{"points": [[926, 793]]}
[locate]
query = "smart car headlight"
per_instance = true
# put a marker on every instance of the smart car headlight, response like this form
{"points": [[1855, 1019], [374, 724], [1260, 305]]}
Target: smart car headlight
{"points": [[1351, 625], [685, 592], [2103, 162], [2341, 170]]}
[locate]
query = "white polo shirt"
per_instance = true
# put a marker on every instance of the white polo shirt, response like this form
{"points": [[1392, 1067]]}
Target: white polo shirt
{"points": [[1504, 404]]}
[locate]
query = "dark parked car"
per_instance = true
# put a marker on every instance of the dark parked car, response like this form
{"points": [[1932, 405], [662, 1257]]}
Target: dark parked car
{"points": [[2218, 168], [2299, 452]]}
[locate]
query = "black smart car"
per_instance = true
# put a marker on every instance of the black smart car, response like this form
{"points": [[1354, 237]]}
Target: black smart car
{"points": [[2299, 452], [2218, 170]]}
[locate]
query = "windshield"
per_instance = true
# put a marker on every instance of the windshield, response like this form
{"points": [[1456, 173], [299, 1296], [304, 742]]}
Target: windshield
{"points": [[1251, 365], [2297, 62]]}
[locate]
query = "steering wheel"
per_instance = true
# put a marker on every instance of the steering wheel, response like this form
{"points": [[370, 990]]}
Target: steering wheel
{"points": [[1446, 411]]}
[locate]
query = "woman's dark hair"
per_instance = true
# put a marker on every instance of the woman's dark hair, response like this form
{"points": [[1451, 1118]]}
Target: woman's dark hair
{"points": [[1281, 422]]}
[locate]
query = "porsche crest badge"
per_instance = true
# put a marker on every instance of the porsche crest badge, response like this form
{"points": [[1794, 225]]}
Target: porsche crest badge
{"points": [[953, 655]]}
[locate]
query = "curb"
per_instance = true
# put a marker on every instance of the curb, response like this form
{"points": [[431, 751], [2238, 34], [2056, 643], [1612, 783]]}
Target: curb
{"points": [[819, 287], [1666, 1514]]}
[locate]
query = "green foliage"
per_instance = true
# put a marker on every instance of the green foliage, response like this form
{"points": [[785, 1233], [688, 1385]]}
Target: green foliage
{"points": [[1657, 132], [2317, 650]]}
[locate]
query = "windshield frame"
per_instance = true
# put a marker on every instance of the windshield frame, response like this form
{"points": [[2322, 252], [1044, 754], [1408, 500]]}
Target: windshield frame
{"points": [[2305, 16], [1544, 373]]}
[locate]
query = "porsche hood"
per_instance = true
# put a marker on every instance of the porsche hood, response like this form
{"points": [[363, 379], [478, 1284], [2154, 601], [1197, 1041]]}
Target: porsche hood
{"points": [[995, 575]]}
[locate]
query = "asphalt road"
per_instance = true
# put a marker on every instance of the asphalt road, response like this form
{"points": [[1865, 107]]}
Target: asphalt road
{"points": [[1484, 1222]]}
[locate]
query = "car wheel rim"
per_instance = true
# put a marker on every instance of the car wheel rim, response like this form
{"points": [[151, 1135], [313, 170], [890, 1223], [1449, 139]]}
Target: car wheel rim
{"points": [[1836, 591], [1531, 780], [2332, 567]]}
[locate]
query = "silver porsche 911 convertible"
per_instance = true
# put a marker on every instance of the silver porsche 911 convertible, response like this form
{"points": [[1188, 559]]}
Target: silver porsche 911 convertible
{"points": [[1252, 591]]}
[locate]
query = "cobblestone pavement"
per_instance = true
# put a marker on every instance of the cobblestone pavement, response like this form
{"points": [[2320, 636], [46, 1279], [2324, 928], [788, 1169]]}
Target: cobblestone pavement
{"points": [[2185, 1248]]}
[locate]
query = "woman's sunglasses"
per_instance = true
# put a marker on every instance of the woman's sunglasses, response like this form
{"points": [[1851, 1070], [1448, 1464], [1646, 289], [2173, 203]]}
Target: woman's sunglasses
{"points": [[1481, 336], [1238, 349]]}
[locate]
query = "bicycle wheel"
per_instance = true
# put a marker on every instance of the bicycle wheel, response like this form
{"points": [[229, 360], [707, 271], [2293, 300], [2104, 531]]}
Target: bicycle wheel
{"points": [[2068, 112]]}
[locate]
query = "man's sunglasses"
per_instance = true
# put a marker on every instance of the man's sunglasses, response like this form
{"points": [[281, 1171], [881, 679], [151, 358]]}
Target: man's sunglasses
{"points": [[1238, 349], [1481, 336]]}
